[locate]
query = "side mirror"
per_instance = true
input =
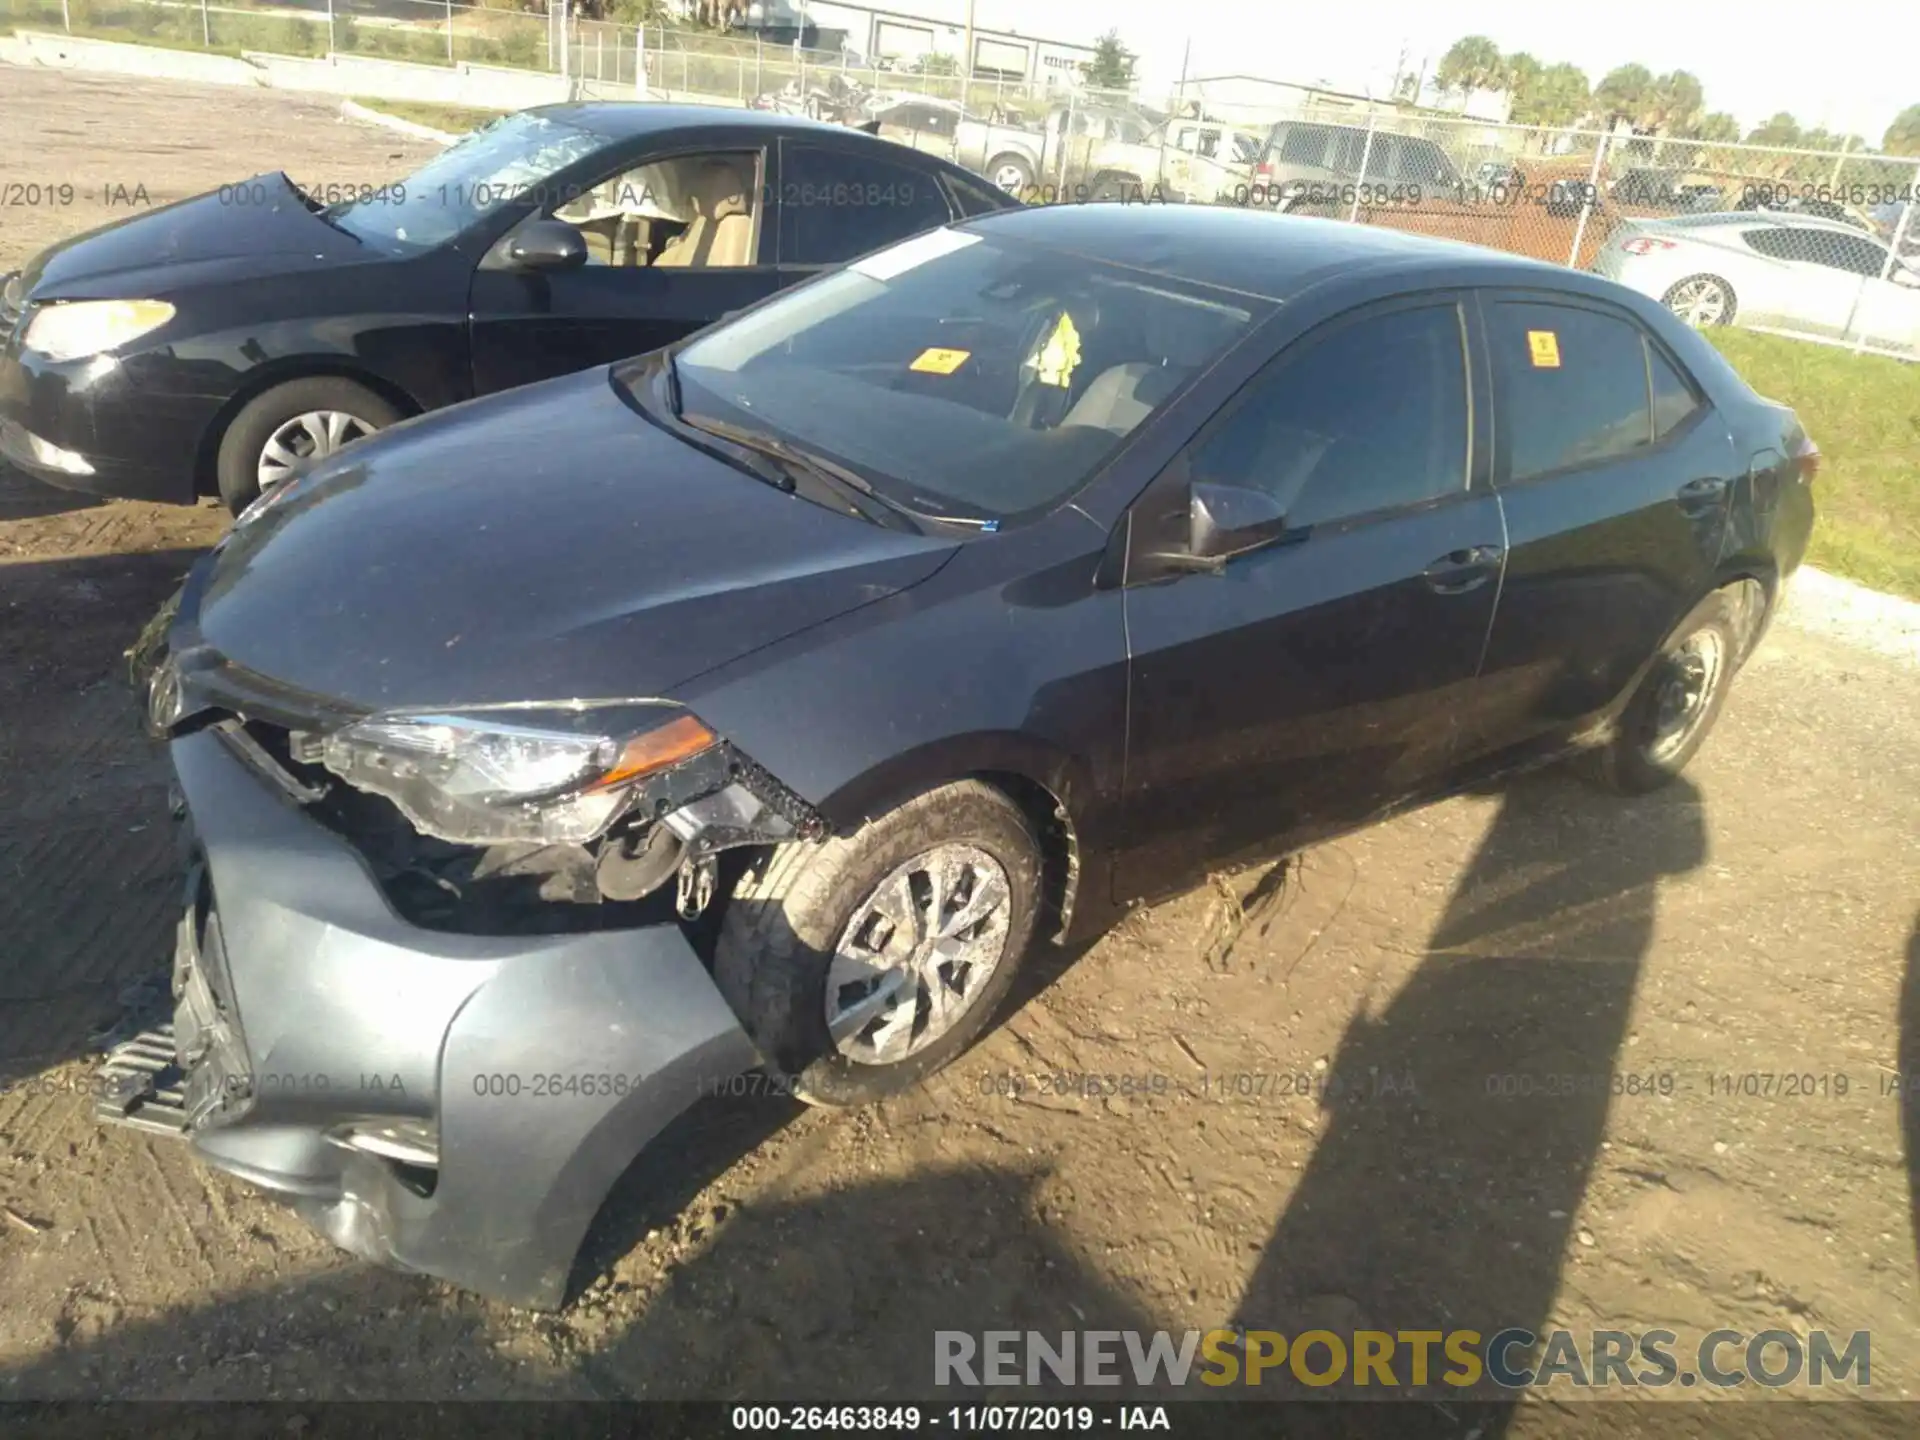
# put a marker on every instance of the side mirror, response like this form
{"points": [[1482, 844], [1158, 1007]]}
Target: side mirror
{"points": [[547, 245], [1228, 520]]}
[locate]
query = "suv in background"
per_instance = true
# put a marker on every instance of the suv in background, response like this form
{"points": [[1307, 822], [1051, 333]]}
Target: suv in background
{"points": [[1307, 166]]}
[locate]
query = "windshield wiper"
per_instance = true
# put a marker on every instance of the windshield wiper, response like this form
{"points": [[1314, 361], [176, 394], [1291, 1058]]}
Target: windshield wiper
{"points": [[832, 472]]}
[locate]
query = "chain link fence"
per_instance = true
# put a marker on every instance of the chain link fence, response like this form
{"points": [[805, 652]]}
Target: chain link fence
{"points": [[1817, 244]]}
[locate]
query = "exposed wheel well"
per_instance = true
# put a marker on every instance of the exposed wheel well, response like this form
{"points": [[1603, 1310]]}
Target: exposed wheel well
{"points": [[207, 456], [1059, 845], [1753, 606]]}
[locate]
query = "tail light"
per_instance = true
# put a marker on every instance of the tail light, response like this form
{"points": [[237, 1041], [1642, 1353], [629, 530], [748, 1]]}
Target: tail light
{"points": [[1263, 171], [1645, 245], [1806, 459]]}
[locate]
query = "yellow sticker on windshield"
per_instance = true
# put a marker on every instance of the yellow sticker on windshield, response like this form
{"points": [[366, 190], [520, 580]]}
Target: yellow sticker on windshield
{"points": [[939, 362], [1545, 346], [1061, 354]]}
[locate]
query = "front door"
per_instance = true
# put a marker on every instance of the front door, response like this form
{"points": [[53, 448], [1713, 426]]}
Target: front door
{"points": [[1318, 680], [674, 243]]}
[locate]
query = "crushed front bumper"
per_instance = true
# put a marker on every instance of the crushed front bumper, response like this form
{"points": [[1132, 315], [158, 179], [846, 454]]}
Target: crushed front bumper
{"points": [[524, 1072]]}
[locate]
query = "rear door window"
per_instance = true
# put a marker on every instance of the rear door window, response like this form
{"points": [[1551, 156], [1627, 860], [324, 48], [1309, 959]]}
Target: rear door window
{"points": [[1572, 387], [836, 205]]}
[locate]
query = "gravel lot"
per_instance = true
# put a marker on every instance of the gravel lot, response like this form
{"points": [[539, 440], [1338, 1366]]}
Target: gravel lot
{"points": [[1759, 918]]}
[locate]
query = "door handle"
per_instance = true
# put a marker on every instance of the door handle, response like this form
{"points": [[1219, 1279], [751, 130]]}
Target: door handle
{"points": [[1699, 495], [1459, 571]]}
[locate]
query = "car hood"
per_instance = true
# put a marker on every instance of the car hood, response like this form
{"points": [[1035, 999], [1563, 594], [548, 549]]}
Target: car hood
{"points": [[548, 543], [230, 233]]}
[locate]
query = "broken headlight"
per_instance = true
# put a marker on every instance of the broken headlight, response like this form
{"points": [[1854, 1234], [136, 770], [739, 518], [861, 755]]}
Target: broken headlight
{"points": [[496, 775]]}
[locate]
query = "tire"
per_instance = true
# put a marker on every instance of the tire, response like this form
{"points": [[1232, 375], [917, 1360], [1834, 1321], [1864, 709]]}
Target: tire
{"points": [[1644, 753], [1682, 298], [793, 909], [263, 418], [1012, 173]]}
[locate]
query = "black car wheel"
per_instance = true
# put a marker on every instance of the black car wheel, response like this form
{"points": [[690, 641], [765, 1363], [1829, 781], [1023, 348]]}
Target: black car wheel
{"points": [[864, 964], [279, 432], [1677, 703]]}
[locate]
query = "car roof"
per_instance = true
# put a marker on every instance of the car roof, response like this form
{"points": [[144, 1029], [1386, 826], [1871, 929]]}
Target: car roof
{"points": [[1252, 251], [632, 119]]}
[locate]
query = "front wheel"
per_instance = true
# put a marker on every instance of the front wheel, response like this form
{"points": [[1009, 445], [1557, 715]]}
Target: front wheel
{"points": [[1667, 720], [1012, 173], [864, 964], [280, 432]]}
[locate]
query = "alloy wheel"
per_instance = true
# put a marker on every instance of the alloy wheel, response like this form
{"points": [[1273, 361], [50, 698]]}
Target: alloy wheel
{"points": [[1699, 302]]}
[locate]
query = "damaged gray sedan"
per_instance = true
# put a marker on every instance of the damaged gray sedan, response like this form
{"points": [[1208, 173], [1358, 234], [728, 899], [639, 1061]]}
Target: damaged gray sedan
{"points": [[547, 760]]}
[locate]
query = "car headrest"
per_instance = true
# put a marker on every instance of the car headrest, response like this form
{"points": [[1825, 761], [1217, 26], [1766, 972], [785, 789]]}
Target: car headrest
{"points": [[1184, 335], [719, 190]]}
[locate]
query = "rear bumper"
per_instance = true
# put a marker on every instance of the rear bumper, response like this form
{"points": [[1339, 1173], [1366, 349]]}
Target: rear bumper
{"points": [[528, 1071]]}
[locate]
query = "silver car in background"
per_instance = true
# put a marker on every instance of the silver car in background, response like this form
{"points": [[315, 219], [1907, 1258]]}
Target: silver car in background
{"points": [[1766, 268]]}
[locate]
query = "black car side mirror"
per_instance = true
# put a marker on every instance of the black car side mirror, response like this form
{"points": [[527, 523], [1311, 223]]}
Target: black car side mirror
{"points": [[547, 245], [1228, 520]]}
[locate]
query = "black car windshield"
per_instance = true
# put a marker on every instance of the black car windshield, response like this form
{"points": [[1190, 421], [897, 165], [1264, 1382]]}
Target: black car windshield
{"points": [[508, 160], [960, 372]]}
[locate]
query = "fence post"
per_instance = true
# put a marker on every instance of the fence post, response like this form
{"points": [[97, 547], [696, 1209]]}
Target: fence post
{"points": [[1366, 158], [206, 25], [329, 25], [640, 62], [1586, 201], [1894, 242], [1833, 181], [449, 30], [66, 17]]}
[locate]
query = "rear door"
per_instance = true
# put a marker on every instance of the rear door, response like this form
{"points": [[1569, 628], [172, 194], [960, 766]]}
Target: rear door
{"points": [[1318, 679], [837, 202], [1615, 476]]}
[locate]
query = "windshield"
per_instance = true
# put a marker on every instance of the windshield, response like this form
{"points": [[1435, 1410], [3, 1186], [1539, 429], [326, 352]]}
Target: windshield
{"points": [[959, 373], [508, 160]]}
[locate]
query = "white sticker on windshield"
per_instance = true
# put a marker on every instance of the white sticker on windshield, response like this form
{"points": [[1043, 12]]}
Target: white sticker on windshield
{"points": [[896, 260]]}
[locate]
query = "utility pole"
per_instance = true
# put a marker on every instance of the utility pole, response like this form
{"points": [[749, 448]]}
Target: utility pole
{"points": [[967, 84]]}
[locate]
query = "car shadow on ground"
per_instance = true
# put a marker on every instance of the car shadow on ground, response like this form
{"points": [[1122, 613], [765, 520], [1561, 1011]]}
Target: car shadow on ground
{"points": [[1463, 1119], [89, 874]]}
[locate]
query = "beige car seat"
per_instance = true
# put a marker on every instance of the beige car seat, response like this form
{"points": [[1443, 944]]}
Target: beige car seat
{"points": [[721, 233]]}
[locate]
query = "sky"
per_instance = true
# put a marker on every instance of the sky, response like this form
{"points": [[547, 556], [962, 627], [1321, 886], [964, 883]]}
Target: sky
{"points": [[1848, 65]]}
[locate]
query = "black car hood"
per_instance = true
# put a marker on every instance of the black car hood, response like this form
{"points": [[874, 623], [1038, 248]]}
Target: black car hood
{"points": [[548, 543], [256, 224]]}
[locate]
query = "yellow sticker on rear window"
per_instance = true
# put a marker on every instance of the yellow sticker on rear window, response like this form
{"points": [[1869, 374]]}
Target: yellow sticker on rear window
{"points": [[939, 362], [1545, 346]]}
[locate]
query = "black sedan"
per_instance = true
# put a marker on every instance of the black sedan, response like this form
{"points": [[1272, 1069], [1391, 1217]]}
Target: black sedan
{"points": [[222, 343], [766, 698]]}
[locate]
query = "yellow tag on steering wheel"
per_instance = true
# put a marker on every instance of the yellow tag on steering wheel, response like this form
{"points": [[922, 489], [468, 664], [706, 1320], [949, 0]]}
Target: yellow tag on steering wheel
{"points": [[1061, 354]]}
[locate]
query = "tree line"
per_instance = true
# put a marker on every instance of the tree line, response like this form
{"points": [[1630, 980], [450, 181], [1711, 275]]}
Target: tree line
{"points": [[1672, 105]]}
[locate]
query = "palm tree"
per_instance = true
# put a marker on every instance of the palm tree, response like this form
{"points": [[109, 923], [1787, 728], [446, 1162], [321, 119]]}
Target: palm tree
{"points": [[1674, 102], [1472, 64], [1781, 129], [1523, 74], [1903, 135], [1625, 93], [1558, 98]]}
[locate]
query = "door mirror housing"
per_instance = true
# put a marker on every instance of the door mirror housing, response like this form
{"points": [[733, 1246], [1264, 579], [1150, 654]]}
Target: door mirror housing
{"points": [[547, 245], [1228, 520]]}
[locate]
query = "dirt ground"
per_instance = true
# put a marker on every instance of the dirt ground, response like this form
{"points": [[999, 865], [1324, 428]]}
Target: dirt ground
{"points": [[1758, 918]]}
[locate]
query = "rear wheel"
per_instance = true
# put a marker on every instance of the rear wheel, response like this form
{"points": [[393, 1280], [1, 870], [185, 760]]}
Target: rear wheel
{"points": [[865, 964], [1011, 173], [1701, 301], [280, 432], [1677, 703]]}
